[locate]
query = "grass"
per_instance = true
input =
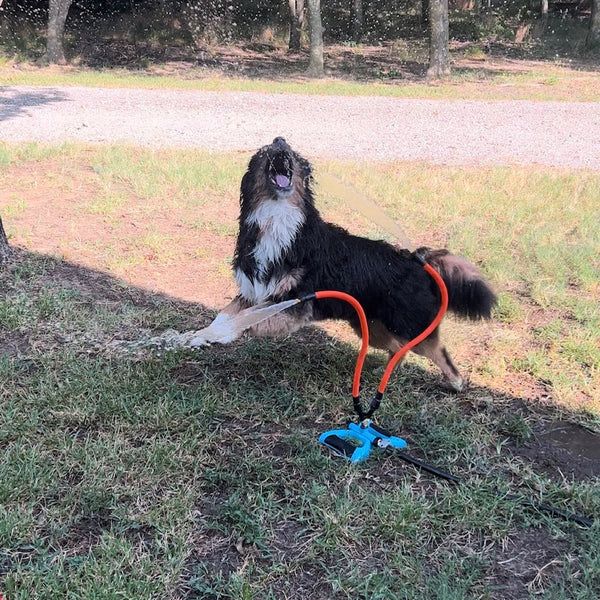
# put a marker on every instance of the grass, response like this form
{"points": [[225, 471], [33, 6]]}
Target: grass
{"points": [[198, 475], [542, 83]]}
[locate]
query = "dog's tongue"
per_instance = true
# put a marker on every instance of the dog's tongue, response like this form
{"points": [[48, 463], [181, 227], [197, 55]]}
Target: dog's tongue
{"points": [[282, 181]]}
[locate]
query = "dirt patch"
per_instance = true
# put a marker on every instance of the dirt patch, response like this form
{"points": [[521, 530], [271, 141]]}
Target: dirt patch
{"points": [[526, 564], [13, 344], [563, 450], [154, 253]]}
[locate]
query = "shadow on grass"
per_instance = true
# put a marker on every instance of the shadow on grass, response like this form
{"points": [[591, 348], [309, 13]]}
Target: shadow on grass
{"points": [[198, 464], [305, 377], [403, 59]]}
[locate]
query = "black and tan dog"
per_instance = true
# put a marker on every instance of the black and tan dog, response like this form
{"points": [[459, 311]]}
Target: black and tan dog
{"points": [[285, 250]]}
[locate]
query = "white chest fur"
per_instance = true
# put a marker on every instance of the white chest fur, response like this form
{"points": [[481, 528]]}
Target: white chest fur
{"points": [[278, 221]]}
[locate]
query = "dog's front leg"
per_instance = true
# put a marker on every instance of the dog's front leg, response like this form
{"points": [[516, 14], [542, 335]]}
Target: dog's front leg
{"points": [[222, 330]]}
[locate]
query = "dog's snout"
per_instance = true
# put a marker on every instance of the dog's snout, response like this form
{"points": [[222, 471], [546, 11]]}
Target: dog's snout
{"points": [[279, 141]]}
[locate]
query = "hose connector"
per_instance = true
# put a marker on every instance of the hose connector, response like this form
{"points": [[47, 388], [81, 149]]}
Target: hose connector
{"points": [[420, 255]]}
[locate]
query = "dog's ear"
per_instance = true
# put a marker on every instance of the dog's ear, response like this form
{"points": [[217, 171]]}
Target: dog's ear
{"points": [[245, 188], [306, 172], [306, 168]]}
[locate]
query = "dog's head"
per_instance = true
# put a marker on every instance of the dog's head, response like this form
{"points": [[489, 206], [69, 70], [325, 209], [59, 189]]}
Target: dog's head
{"points": [[276, 172]]}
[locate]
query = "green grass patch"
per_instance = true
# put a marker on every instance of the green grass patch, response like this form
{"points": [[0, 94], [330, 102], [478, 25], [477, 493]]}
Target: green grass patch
{"points": [[546, 83], [141, 474]]}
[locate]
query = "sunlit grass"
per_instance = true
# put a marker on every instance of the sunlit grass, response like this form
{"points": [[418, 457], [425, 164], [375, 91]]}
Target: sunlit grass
{"points": [[536, 236], [544, 83], [168, 178]]}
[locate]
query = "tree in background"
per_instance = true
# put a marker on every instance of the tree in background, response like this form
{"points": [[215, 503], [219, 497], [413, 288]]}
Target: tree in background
{"points": [[357, 20], [315, 28], [5, 251], [296, 22], [593, 36], [439, 52], [57, 17]]}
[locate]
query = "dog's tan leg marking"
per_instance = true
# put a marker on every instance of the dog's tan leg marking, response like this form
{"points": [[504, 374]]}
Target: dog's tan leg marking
{"points": [[288, 282], [431, 349], [380, 337], [282, 324]]}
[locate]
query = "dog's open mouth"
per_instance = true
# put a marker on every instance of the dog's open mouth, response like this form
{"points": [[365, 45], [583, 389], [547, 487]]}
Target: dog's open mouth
{"points": [[281, 171]]}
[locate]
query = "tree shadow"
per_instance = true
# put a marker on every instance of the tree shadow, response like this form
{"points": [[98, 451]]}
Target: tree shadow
{"points": [[15, 102], [304, 368], [403, 59]]}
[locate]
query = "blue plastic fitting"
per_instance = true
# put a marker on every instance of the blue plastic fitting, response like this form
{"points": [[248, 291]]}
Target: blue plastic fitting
{"points": [[355, 442]]}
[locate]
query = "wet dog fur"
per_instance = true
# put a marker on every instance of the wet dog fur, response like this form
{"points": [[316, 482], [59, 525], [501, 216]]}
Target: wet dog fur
{"points": [[286, 250]]}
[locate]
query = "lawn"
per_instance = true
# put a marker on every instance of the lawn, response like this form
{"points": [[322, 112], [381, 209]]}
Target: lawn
{"points": [[134, 473]]}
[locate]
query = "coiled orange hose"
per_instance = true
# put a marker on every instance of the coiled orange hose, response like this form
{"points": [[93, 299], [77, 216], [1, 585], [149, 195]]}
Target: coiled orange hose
{"points": [[364, 328]]}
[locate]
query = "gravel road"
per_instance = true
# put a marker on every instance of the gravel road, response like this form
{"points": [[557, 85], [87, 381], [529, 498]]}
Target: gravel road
{"points": [[440, 131]]}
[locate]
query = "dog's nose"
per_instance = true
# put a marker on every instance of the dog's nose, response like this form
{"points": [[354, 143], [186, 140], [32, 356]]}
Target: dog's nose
{"points": [[279, 141]]}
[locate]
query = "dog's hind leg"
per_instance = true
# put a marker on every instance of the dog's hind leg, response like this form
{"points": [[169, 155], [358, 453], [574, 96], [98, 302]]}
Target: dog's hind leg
{"points": [[381, 337], [432, 349]]}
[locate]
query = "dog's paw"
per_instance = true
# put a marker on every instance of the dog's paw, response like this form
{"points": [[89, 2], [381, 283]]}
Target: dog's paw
{"points": [[457, 385], [221, 331], [198, 341]]}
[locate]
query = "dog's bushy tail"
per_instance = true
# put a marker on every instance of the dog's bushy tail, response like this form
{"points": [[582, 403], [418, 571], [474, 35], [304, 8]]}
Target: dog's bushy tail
{"points": [[469, 294]]}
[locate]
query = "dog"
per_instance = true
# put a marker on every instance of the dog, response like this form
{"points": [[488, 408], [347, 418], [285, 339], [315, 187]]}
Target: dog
{"points": [[286, 250]]}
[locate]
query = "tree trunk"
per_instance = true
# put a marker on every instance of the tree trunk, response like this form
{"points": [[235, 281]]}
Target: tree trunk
{"points": [[315, 27], [439, 53], [296, 22], [593, 36], [5, 250], [57, 16], [424, 12], [357, 20]]}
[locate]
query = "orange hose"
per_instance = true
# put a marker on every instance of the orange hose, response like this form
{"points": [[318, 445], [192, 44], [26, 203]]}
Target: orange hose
{"points": [[440, 315], [364, 330]]}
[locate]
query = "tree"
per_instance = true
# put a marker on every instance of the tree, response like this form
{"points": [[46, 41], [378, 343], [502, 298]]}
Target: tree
{"points": [[593, 36], [439, 53], [357, 20], [315, 27], [5, 250], [425, 12], [296, 22], [57, 17]]}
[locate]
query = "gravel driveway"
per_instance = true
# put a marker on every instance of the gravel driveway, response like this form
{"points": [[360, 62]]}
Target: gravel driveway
{"points": [[440, 131]]}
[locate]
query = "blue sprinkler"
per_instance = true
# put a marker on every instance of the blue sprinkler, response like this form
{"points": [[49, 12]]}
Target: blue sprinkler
{"points": [[355, 442]]}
